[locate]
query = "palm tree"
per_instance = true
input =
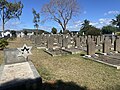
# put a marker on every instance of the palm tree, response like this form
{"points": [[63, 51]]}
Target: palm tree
{"points": [[86, 23], [116, 21], [85, 26]]}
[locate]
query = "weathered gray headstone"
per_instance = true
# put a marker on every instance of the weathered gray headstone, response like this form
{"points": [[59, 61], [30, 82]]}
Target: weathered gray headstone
{"points": [[71, 42], [38, 40], [65, 42], [117, 45], [102, 38], [98, 40], [50, 42], [77, 42], [106, 45], [60, 40], [112, 39], [90, 47]]}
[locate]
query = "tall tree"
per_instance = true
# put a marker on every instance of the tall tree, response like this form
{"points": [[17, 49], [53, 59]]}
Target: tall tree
{"points": [[108, 29], [89, 29], [9, 10], [116, 21], [54, 30], [86, 23], [36, 19], [85, 26], [61, 11]]}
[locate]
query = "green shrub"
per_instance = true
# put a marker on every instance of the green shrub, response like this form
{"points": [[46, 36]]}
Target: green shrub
{"points": [[109, 29], [3, 43], [118, 33], [54, 30]]}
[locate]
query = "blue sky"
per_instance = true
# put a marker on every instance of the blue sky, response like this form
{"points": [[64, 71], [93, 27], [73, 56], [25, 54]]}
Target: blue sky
{"points": [[99, 12]]}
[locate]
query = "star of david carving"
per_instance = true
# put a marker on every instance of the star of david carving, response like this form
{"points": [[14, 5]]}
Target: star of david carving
{"points": [[25, 51]]}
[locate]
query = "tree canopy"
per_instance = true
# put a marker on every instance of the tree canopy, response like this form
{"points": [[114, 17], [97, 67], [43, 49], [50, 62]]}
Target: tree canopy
{"points": [[88, 29], [9, 10], [36, 19], [61, 11], [108, 29], [116, 21], [54, 30]]}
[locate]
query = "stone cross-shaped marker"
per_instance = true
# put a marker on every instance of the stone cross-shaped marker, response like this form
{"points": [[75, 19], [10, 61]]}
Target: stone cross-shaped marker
{"points": [[25, 51]]}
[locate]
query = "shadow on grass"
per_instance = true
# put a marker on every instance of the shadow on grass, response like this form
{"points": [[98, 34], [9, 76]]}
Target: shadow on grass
{"points": [[22, 84], [36, 84], [60, 85]]}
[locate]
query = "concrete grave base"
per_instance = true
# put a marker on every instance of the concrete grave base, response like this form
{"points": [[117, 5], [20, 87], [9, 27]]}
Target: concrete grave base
{"points": [[56, 52], [19, 76], [73, 50], [41, 47], [106, 59]]}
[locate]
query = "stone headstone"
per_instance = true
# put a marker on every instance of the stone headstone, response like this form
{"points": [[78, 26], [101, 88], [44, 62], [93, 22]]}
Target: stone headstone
{"points": [[112, 40], [98, 40], [71, 42], [106, 45], [102, 38], [65, 42], [90, 47], [77, 42], [83, 41], [50, 42], [89, 39], [38, 40], [117, 45], [60, 40]]}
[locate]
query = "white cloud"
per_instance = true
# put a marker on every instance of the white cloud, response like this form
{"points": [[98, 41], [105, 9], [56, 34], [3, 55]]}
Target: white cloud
{"points": [[101, 22], [94, 23], [77, 23], [75, 26], [114, 12], [105, 21]]}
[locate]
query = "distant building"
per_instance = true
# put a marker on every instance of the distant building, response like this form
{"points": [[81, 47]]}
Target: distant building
{"points": [[6, 33]]}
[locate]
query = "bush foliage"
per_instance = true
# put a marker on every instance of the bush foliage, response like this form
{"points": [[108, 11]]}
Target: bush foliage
{"points": [[3, 43]]}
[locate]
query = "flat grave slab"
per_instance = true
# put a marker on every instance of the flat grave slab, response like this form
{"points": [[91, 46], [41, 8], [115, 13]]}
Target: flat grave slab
{"points": [[114, 55], [73, 50], [40, 46], [21, 73], [106, 59], [57, 52]]}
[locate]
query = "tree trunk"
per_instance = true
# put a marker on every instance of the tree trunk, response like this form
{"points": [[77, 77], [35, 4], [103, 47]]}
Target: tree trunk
{"points": [[37, 31], [3, 21]]}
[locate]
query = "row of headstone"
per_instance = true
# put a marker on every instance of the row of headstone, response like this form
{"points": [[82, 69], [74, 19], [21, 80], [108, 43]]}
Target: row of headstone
{"points": [[106, 46], [102, 43]]}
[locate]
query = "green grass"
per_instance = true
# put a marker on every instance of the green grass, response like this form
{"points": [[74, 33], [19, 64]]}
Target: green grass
{"points": [[1, 57], [74, 68], [83, 72], [44, 73]]}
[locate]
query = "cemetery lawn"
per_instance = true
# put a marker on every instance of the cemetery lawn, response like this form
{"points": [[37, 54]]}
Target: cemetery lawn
{"points": [[83, 72]]}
